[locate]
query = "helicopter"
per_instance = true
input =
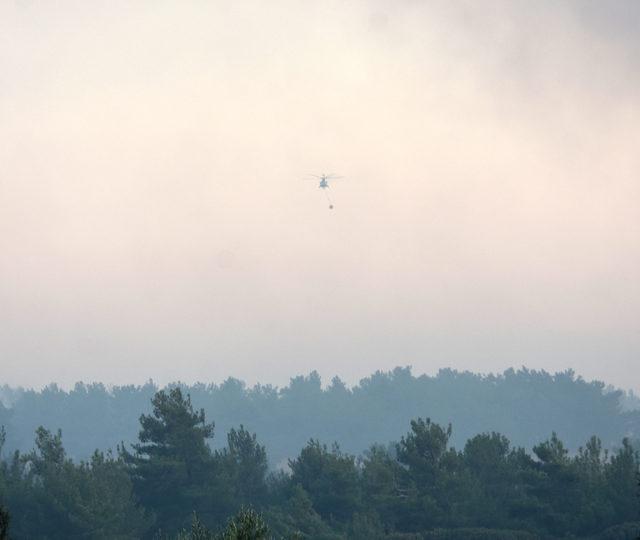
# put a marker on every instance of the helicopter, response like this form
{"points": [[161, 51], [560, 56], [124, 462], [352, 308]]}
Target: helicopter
{"points": [[324, 179], [324, 184]]}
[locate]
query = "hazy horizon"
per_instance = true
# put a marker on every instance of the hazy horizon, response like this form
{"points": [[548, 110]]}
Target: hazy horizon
{"points": [[326, 381], [155, 224]]}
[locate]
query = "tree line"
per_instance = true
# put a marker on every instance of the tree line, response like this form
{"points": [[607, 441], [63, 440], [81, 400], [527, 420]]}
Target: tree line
{"points": [[519, 403], [172, 483]]}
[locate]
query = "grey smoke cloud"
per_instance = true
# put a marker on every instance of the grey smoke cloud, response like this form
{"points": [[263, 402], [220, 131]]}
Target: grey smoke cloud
{"points": [[154, 221]]}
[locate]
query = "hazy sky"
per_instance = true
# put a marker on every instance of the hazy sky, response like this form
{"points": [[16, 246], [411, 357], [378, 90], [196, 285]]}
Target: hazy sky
{"points": [[154, 220]]}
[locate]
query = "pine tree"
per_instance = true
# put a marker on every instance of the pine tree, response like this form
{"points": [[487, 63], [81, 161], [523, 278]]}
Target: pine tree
{"points": [[172, 462]]}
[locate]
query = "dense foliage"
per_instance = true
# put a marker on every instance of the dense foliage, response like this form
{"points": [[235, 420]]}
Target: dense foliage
{"points": [[172, 484], [524, 404]]}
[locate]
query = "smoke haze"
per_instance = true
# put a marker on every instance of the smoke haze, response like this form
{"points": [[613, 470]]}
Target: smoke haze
{"points": [[154, 220]]}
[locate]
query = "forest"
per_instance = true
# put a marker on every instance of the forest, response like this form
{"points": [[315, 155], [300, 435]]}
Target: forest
{"points": [[525, 405], [171, 482]]}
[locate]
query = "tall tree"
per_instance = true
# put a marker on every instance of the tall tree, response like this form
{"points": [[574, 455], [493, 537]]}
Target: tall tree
{"points": [[424, 450], [244, 462], [622, 479], [330, 477], [172, 463], [428, 460]]}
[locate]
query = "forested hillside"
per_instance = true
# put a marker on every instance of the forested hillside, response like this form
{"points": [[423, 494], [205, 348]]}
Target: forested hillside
{"points": [[525, 405], [422, 487]]}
